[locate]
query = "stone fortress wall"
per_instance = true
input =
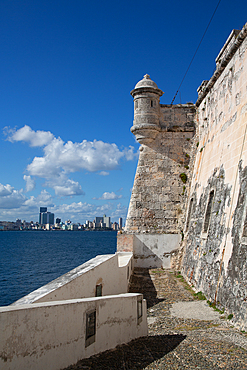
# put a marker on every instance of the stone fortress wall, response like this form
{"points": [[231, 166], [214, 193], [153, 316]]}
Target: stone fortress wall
{"points": [[191, 181], [215, 245], [159, 195]]}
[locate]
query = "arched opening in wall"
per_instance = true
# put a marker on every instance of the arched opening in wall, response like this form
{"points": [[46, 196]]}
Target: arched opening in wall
{"points": [[189, 215], [208, 211], [152, 103], [136, 104]]}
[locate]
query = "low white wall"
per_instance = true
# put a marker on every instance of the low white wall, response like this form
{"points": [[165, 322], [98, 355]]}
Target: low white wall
{"points": [[154, 250], [112, 271], [44, 336]]}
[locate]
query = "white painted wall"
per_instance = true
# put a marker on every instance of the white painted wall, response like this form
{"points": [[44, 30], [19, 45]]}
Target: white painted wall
{"points": [[44, 336], [112, 271], [154, 250]]}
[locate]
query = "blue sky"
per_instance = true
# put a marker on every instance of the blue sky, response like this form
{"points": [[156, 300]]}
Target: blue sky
{"points": [[67, 68]]}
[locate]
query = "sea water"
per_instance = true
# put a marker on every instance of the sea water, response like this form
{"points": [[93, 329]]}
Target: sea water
{"points": [[30, 259]]}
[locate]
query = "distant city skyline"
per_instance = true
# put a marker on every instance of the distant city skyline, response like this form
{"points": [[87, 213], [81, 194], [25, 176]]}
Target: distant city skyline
{"points": [[48, 222], [66, 111]]}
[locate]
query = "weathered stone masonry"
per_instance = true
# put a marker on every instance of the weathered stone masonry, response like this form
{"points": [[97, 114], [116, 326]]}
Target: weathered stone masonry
{"points": [[157, 201], [159, 194], [205, 146], [214, 261]]}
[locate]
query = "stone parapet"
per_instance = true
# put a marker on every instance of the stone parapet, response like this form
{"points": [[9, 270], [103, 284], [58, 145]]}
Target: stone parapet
{"points": [[226, 56]]}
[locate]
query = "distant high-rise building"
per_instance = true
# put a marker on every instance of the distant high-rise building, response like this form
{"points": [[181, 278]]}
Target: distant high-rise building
{"points": [[115, 226], [102, 222], [120, 223], [98, 220], [45, 217], [50, 218], [107, 221], [41, 211]]}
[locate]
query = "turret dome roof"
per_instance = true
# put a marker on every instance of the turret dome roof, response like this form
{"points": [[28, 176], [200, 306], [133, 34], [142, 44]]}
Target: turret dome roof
{"points": [[146, 82]]}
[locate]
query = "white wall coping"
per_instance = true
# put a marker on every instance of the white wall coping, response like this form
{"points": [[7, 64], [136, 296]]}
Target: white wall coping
{"points": [[55, 290], [124, 258], [64, 279], [12, 308]]}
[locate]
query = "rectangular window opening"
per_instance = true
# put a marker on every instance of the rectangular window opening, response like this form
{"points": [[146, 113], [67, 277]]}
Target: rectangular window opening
{"points": [[90, 327], [98, 290]]}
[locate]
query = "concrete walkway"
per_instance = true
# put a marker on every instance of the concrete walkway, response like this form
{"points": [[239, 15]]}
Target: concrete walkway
{"points": [[184, 333]]}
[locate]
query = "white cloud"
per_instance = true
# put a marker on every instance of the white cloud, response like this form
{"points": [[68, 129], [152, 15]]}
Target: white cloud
{"points": [[109, 196], [5, 190], [104, 173], [34, 138], [120, 211], [43, 199], [129, 153], [62, 158], [14, 204], [69, 157], [30, 183], [11, 198], [17, 205], [69, 188], [79, 212], [64, 186], [75, 208]]}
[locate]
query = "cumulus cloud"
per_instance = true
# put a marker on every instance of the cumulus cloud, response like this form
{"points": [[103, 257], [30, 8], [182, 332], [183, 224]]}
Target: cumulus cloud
{"points": [[30, 183], [11, 198], [69, 157], [5, 190], [104, 173], [35, 202], [75, 208], [129, 153], [120, 211], [64, 186], [17, 205], [109, 196], [63, 158], [81, 211], [34, 138], [68, 188], [14, 204]]}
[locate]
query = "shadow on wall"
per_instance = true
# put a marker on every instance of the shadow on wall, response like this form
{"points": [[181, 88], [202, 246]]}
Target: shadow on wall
{"points": [[138, 354], [146, 257], [154, 250], [141, 282]]}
